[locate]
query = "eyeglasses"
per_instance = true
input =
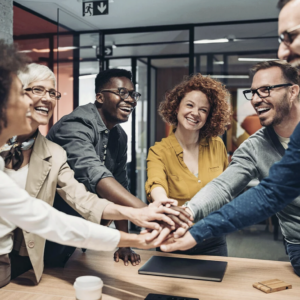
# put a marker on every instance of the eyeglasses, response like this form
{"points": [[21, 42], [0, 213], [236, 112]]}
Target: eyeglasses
{"points": [[287, 37], [41, 91], [263, 92], [124, 93]]}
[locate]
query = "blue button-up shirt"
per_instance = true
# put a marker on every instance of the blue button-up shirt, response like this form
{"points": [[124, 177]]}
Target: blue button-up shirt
{"points": [[270, 196]]}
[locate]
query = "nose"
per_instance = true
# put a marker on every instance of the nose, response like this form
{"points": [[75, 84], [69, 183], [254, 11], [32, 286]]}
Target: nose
{"points": [[283, 51], [131, 100], [255, 99]]}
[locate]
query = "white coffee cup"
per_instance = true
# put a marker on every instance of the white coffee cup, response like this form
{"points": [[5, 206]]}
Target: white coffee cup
{"points": [[88, 288]]}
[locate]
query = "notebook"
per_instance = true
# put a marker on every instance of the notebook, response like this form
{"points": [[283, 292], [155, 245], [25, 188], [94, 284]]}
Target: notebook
{"points": [[184, 268]]}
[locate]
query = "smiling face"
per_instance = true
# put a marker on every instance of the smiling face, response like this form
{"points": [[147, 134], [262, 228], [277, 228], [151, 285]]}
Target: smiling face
{"points": [[18, 110], [193, 111], [43, 106], [114, 109], [289, 18], [274, 109]]}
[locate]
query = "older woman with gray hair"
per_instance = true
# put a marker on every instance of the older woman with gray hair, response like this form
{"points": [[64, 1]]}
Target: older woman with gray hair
{"points": [[40, 167]]}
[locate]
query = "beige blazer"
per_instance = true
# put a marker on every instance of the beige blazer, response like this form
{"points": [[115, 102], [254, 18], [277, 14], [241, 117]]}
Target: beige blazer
{"points": [[49, 173]]}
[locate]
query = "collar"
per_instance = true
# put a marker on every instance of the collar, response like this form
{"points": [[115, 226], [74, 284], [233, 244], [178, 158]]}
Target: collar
{"points": [[101, 125], [177, 147]]}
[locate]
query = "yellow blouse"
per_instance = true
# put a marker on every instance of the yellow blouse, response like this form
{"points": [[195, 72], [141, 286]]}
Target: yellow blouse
{"points": [[166, 168]]}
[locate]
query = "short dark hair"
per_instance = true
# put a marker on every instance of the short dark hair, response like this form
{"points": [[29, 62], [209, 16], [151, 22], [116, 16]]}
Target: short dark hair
{"points": [[282, 3], [289, 73], [104, 77], [11, 61]]}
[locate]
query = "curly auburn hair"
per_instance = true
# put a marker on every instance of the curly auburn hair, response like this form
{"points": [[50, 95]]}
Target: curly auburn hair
{"points": [[217, 95], [10, 63]]}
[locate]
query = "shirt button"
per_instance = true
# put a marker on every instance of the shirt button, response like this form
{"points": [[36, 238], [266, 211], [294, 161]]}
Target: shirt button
{"points": [[106, 131], [31, 244], [199, 180], [105, 146]]}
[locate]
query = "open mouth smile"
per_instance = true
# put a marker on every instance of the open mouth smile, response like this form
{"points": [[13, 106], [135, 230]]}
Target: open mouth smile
{"points": [[262, 110], [126, 109], [42, 110], [192, 121]]}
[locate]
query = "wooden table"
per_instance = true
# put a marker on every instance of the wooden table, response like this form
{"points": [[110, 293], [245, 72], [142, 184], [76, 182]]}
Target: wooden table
{"points": [[125, 283]]}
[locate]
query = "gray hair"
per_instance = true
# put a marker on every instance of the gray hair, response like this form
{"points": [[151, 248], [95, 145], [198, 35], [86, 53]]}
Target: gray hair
{"points": [[36, 72]]}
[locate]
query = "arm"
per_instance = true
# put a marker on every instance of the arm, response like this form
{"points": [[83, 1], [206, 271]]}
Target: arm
{"points": [[230, 183], [36, 216], [157, 184], [87, 204], [270, 196]]}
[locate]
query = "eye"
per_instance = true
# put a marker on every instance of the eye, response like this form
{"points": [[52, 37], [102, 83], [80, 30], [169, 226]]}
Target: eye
{"points": [[204, 110], [189, 105], [38, 90], [52, 93]]}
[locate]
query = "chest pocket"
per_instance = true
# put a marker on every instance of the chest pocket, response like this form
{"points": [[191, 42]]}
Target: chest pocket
{"points": [[178, 189]]}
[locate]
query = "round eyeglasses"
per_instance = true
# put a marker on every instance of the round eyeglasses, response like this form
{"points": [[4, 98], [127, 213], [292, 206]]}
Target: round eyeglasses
{"points": [[264, 91], [124, 93], [41, 91]]}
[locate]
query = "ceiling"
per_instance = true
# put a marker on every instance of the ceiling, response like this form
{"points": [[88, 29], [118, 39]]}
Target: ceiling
{"points": [[137, 13], [260, 37]]}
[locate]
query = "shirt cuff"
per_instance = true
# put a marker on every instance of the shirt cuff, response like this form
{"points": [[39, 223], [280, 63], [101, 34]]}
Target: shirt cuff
{"points": [[187, 204], [200, 231]]}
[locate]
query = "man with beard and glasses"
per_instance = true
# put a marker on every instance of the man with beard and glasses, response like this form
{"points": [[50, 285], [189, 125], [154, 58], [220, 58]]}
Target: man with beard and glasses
{"points": [[289, 32], [274, 95], [96, 147]]}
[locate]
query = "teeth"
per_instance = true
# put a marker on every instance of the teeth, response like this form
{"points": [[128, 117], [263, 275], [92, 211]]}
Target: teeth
{"points": [[42, 109], [126, 108], [192, 120], [262, 109]]}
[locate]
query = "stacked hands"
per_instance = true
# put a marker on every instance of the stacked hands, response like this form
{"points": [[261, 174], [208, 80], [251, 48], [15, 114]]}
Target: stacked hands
{"points": [[166, 226]]}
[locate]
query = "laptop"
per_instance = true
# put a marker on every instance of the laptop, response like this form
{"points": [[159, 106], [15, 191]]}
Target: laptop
{"points": [[184, 268]]}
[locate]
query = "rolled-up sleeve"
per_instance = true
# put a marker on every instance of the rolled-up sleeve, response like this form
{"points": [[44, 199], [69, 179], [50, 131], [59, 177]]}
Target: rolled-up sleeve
{"points": [[78, 137], [156, 171], [87, 204]]}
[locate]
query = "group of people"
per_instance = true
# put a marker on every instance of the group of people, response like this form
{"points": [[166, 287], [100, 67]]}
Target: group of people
{"points": [[49, 185]]}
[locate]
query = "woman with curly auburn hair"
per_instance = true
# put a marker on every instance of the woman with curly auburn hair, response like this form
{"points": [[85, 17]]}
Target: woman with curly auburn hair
{"points": [[193, 154]]}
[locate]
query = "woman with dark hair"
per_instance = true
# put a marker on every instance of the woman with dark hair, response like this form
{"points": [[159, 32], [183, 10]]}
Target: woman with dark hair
{"points": [[193, 154], [38, 218]]}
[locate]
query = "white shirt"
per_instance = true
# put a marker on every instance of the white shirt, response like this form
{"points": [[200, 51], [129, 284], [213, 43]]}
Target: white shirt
{"points": [[19, 176], [284, 141], [18, 209]]}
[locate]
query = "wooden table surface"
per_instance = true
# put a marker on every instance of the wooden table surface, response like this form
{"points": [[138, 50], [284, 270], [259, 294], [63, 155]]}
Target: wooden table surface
{"points": [[125, 283]]}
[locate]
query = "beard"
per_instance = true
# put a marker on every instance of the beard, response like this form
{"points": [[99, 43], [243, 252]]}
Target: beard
{"points": [[282, 111]]}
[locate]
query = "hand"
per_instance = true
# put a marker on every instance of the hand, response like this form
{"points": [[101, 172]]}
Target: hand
{"points": [[143, 216], [168, 202], [184, 219], [146, 239], [127, 254], [183, 243]]}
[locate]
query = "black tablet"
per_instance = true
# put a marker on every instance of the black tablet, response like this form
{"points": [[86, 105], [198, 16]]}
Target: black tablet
{"points": [[184, 268]]}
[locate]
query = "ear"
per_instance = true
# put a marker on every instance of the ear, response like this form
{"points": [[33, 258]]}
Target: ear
{"points": [[295, 89], [99, 98]]}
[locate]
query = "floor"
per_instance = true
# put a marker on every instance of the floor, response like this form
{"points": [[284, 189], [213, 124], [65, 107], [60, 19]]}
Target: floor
{"points": [[256, 242]]}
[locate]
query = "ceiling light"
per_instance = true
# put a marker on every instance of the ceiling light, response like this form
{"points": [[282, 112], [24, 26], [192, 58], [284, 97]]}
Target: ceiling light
{"points": [[218, 62], [230, 76], [212, 41], [87, 76], [256, 59]]}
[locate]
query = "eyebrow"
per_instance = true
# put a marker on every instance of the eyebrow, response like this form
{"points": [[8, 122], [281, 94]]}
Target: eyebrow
{"points": [[194, 103]]}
